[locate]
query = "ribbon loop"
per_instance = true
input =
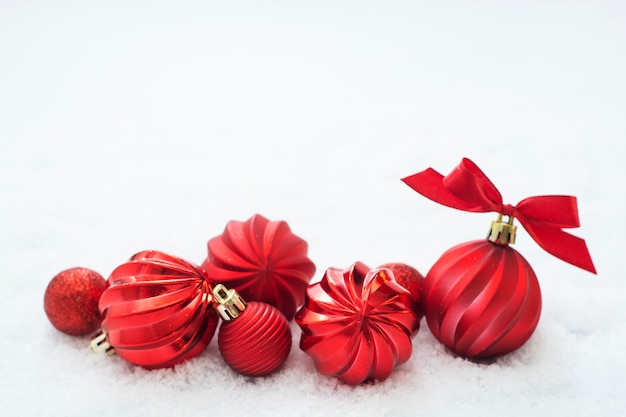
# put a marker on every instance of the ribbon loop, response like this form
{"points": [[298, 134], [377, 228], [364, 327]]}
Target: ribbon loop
{"points": [[467, 188]]}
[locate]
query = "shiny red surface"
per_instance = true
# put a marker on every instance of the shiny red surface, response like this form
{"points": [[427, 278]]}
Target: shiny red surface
{"points": [[411, 279], [481, 299], [257, 342], [263, 260], [157, 310], [71, 301], [357, 324], [468, 188]]}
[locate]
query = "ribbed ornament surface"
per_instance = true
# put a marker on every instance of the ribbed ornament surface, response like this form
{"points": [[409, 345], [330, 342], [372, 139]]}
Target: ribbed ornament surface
{"points": [[481, 299], [157, 310], [263, 260], [357, 324], [256, 342]]}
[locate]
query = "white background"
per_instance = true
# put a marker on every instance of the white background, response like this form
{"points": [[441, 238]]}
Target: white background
{"points": [[150, 124]]}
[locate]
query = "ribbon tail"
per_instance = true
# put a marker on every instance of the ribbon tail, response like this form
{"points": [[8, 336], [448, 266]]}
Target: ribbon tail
{"points": [[429, 183], [563, 245], [556, 210]]}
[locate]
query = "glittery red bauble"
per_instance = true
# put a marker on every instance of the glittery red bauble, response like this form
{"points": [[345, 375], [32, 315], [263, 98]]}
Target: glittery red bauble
{"points": [[357, 324], [71, 301], [256, 342], [263, 261], [481, 299], [411, 279], [158, 310]]}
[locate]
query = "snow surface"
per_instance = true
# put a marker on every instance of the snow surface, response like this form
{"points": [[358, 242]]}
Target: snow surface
{"points": [[150, 124]]}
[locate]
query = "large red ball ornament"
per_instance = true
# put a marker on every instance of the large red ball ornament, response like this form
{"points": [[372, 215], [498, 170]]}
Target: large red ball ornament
{"points": [[71, 301], [157, 310], [481, 299], [254, 338], [263, 260], [357, 324]]}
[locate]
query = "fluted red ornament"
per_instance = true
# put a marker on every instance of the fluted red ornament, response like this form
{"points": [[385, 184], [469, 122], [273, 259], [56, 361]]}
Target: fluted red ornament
{"points": [[263, 260], [482, 299], [357, 324], [157, 310], [254, 338]]}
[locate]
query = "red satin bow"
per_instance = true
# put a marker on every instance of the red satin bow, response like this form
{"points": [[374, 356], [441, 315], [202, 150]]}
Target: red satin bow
{"points": [[468, 188]]}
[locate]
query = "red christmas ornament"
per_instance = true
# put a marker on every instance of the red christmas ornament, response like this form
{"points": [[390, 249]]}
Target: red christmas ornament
{"points": [[411, 279], [157, 310], [254, 338], [357, 324], [482, 299], [263, 260], [71, 301]]}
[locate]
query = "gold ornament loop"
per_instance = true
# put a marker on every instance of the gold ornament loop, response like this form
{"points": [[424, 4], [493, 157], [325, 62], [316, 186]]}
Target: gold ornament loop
{"points": [[229, 305]]}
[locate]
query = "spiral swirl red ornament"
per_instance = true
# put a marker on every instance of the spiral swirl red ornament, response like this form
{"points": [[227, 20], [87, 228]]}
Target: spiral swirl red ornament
{"points": [[481, 299], [263, 260], [157, 310], [357, 324]]}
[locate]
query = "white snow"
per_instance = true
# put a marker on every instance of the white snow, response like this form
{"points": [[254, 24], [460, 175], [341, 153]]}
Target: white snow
{"points": [[150, 124]]}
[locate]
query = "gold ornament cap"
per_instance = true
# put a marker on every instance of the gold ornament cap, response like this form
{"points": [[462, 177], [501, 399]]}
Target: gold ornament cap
{"points": [[502, 233], [100, 344], [229, 303]]}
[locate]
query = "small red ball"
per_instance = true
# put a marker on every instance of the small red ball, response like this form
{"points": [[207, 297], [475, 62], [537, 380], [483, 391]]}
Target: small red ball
{"points": [[257, 342], [411, 279], [71, 301]]}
